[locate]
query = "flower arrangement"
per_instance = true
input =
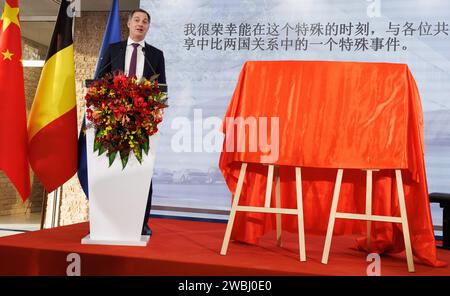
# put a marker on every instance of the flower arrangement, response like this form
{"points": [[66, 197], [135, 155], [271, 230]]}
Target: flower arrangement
{"points": [[125, 112]]}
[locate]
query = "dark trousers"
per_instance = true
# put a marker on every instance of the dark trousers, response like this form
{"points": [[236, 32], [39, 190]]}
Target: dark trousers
{"points": [[149, 205]]}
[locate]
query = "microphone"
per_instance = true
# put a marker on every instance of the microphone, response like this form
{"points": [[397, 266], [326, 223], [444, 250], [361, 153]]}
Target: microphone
{"points": [[147, 61], [162, 86]]}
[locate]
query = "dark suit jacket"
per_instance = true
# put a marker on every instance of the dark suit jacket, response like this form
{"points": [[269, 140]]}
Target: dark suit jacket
{"points": [[114, 59]]}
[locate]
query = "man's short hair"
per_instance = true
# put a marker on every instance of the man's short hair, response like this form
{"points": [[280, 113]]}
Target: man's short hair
{"points": [[130, 16]]}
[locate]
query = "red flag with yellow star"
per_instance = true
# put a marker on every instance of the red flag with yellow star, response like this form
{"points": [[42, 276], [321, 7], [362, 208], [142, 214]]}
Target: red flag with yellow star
{"points": [[13, 122]]}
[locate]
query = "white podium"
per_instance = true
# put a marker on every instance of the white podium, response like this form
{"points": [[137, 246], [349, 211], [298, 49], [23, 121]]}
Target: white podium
{"points": [[118, 197]]}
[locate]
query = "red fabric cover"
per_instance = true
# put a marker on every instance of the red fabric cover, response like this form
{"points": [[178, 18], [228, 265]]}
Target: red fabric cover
{"points": [[333, 115]]}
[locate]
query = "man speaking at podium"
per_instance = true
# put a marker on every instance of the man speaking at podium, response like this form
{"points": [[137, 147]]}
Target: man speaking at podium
{"points": [[135, 57]]}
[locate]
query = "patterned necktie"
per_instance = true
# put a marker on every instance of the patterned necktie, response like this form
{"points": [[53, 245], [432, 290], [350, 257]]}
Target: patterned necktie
{"points": [[133, 63]]}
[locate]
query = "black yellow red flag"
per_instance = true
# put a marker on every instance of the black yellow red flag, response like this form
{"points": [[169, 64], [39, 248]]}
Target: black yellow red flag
{"points": [[52, 126]]}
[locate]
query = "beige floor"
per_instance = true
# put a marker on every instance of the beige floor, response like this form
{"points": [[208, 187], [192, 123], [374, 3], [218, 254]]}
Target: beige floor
{"points": [[10, 225]]}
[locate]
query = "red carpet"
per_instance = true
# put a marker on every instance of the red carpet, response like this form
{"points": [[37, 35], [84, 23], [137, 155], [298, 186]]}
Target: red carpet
{"points": [[190, 248]]}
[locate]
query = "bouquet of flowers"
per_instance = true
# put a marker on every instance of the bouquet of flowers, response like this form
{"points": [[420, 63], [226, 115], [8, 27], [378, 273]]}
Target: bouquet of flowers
{"points": [[125, 112]]}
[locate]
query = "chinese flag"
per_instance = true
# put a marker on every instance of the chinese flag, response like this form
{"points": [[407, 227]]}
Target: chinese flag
{"points": [[13, 122]]}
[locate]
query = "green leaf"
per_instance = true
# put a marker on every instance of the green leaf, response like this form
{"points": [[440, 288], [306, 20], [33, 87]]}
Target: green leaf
{"points": [[102, 150], [112, 157], [146, 146], [124, 159], [96, 145]]}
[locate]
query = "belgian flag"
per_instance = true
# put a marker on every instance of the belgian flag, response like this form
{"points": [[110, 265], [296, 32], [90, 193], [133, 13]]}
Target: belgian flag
{"points": [[52, 126]]}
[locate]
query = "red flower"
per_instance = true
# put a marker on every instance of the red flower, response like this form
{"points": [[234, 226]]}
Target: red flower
{"points": [[139, 102], [89, 114], [119, 112], [134, 108], [120, 80]]}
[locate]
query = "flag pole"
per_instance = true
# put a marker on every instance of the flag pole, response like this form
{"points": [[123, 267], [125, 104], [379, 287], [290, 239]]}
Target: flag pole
{"points": [[44, 208], [56, 203]]}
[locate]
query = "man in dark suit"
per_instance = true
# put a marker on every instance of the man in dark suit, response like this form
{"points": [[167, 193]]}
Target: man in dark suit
{"points": [[135, 57]]}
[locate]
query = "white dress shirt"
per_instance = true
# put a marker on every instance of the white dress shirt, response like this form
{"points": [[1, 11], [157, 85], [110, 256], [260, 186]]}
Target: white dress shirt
{"points": [[140, 58]]}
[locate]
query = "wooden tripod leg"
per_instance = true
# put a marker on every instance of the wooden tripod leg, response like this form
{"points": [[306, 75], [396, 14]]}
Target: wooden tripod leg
{"points": [[278, 205], [404, 217], [269, 187], [237, 195], [369, 205], [337, 189], [301, 230]]}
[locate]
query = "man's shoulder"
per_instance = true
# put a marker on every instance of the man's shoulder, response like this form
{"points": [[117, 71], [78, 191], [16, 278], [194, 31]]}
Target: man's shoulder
{"points": [[118, 44], [153, 49]]}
